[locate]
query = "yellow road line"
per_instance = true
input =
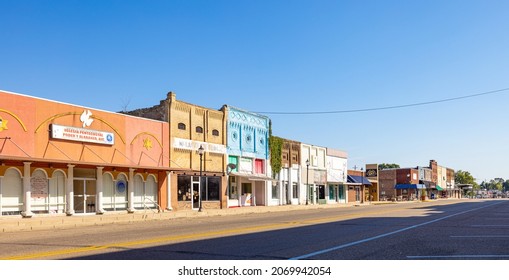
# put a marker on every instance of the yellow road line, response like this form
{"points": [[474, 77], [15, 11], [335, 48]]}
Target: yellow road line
{"points": [[191, 236]]}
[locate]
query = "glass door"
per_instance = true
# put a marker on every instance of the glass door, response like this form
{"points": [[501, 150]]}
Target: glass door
{"points": [[195, 190], [357, 194], [84, 195], [321, 194]]}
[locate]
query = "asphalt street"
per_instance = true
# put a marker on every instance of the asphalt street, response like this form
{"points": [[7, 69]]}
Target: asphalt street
{"points": [[450, 229]]}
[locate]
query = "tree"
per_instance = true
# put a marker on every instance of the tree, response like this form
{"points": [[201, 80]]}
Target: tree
{"points": [[464, 177], [497, 184], [383, 166]]}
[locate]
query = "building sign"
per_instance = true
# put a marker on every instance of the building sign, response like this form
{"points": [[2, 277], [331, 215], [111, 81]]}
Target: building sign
{"points": [[121, 186], [79, 134], [186, 144], [320, 177], [246, 165], [370, 173], [39, 186]]}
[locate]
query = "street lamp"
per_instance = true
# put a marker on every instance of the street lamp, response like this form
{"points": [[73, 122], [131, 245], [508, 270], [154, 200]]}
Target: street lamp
{"points": [[307, 181], [362, 184], [201, 150]]}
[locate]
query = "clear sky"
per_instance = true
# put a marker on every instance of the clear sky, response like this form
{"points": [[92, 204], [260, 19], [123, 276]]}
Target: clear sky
{"points": [[285, 56]]}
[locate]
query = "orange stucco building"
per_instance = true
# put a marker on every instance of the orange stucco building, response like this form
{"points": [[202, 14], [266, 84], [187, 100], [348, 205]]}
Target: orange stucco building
{"points": [[62, 158]]}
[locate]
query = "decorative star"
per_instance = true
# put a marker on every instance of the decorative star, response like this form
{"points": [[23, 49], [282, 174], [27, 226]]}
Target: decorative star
{"points": [[147, 144], [3, 124]]}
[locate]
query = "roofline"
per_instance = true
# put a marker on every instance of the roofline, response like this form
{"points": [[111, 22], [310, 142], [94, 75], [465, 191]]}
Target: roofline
{"points": [[76, 105]]}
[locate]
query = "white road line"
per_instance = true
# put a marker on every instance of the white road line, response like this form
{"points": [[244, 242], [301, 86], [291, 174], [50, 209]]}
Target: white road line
{"points": [[489, 225], [458, 256], [384, 235], [479, 236]]}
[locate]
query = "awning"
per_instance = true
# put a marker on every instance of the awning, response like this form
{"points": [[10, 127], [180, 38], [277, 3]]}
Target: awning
{"points": [[358, 180], [253, 177], [410, 186], [439, 188], [464, 186]]}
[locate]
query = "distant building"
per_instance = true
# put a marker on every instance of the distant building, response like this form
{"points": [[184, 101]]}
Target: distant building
{"points": [[313, 174], [287, 188], [336, 162]]}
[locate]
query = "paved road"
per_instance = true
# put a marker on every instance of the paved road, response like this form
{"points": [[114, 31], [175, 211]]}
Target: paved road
{"points": [[451, 229]]}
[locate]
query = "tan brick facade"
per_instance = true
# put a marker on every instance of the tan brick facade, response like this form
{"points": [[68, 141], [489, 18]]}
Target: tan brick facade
{"points": [[196, 126]]}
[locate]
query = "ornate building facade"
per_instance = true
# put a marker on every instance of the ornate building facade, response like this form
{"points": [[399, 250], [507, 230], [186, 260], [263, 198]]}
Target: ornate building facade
{"points": [[248, 157], [58, 158]]}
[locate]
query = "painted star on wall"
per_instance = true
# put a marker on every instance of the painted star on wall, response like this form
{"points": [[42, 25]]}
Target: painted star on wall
{"points": [[147, 144], [3, 124]]}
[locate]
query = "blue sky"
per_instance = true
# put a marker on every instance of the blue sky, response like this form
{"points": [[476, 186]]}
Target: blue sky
{"points": [[284, 56]]}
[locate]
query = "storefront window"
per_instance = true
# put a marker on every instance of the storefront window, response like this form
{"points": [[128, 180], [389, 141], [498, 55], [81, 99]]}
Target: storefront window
{"points": [[184, 188], [332, 194], [275, 190], [259, 166], [321, 192], [11, 192], [295, 191], [213, 188], [39, 192], [341, 192], [210, 188], [233, 188]]}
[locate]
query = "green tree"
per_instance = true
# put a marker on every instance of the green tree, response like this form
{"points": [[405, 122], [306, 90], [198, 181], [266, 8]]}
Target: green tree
{"points": [[506, 185], [276, 148], [383, 166], [463, 177], [497, 184]]}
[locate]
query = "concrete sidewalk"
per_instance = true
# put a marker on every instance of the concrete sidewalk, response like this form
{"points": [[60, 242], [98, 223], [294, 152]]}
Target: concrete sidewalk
{"points": [[61, 221]]}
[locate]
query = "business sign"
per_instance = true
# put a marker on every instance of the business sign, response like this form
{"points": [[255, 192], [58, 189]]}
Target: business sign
{"points": [[186, 144], [371, 173], [79, 134]]}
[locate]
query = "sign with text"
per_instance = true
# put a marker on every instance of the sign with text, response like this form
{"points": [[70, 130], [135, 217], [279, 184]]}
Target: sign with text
{"points": [[186, 144], [79, 134]]}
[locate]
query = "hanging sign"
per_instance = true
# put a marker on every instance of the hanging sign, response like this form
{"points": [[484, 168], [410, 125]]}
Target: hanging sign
{"points": [[79, 134]]}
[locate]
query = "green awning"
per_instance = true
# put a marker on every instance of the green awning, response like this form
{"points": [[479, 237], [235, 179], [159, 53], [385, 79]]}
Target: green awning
{"points": [[439, 188]]}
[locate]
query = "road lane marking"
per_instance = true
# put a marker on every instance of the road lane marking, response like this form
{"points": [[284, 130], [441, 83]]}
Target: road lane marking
{"points": [[489, 225], [194, 236], [479, 236], [385, 234], [459, 256]]}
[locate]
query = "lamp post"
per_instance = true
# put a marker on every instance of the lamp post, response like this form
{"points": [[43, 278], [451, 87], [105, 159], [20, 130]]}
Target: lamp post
{"points": [[362, 182], [307, 181], [201, 150]]}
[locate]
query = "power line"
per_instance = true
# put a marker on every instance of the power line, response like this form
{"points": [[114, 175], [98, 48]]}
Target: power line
{"points": [[384, 108]]}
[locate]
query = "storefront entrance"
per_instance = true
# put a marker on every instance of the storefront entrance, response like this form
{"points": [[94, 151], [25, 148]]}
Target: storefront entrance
{"points": [[320, 189], [358, 194], [195, 190], [247, 194], [84, 195]]}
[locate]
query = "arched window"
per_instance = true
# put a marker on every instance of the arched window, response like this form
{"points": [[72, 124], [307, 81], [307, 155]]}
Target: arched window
{"points": [[199, 129], [215, 132], [182, 126], [12, 192]]}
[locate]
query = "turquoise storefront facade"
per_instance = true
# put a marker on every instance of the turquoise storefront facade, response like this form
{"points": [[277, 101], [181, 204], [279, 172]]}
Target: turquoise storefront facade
{"points": [[248, 149]]}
